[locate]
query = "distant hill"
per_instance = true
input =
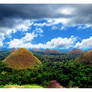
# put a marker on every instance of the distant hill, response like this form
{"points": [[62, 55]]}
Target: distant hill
{"points": [[35, 49], [13, 49], [51, 51], [46, 51], [21, 59], [77, 51], [85, 58]]}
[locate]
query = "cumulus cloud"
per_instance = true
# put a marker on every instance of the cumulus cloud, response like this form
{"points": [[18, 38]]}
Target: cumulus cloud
{"points": [[15, 43], [61, 43], [85, 43], [20, 25], [1, 43], [38, 30], [29, 37], [84, 26], [21, 17], [53, 21], [21, 42], [1, 39], [26, 39]]}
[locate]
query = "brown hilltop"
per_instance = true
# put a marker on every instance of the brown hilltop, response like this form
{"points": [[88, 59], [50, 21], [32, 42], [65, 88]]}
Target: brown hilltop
{"points": [[51, 51], [35, 49], [54, 84], [46, 50], [85, 58], [21, 59], [75, 51], [13, 49]]}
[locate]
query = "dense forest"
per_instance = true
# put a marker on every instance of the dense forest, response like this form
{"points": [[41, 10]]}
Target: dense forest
{"points": [[63, 68]]}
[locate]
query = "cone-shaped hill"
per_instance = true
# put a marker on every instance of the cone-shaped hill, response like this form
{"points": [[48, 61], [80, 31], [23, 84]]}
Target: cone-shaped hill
{"points": [[75, 50], [85, 58], [21, 59]]}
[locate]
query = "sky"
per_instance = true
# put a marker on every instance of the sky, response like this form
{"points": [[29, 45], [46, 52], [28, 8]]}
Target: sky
{"points": [[53, 26]]}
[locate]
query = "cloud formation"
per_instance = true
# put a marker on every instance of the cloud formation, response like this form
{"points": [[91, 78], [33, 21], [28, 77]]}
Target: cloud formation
{"points": [[85, 43], [61, 43], [1, 39], [77, 14], [22, 17]]}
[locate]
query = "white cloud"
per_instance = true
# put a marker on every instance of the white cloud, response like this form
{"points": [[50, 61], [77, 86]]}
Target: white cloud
{"points": [[40, 24], [38, 30], [18, 25], [24, 41], [53, 22], [66, 11], [1, 43], [84, 26], [64, 21], [29, 37], [15, 43], [61, 43], [1, 39], [21, 42], [22, 25], [85, 43]]}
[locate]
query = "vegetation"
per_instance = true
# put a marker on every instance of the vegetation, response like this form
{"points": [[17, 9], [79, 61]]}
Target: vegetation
{"points": [[4, 54], [22, 86], [85, 58], [68, 73]]}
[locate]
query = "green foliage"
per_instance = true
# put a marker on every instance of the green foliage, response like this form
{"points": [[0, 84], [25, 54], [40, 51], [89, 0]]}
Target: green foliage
{"points": [[68, 74], [22, 86]]}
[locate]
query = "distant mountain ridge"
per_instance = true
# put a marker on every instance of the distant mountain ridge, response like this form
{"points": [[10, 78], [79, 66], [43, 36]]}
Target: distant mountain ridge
{"points": [[46, 50], [75, 50]]}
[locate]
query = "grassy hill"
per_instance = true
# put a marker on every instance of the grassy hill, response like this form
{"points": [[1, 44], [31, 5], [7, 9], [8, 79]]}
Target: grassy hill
{"points": [[21, 59], [85, 58], [73, 51]]}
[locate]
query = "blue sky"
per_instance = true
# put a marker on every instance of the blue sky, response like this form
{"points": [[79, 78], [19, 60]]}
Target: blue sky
{"points": [[61, 27], [43, 34]]}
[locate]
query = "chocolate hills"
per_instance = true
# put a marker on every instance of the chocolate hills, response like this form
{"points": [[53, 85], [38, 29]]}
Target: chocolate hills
{"points": [[75, 50], [52, 51], [46, 51], [85, 58], [21, 59]]}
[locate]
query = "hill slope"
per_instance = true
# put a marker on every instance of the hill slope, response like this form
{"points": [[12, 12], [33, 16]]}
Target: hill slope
{"points": [[21, 59], [78, 51], [51, 51], [85, 58]]}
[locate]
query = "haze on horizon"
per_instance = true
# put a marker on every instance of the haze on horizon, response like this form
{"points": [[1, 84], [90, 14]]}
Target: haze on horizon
{"points": [[57, 26]]}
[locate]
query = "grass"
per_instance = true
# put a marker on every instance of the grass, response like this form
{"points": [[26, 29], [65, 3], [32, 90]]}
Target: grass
{"points": [[22, 86], [33, 86]]}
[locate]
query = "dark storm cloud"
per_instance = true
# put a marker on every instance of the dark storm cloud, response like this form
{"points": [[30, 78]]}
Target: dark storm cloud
{"points": [[8, 13], [82, 14]]}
